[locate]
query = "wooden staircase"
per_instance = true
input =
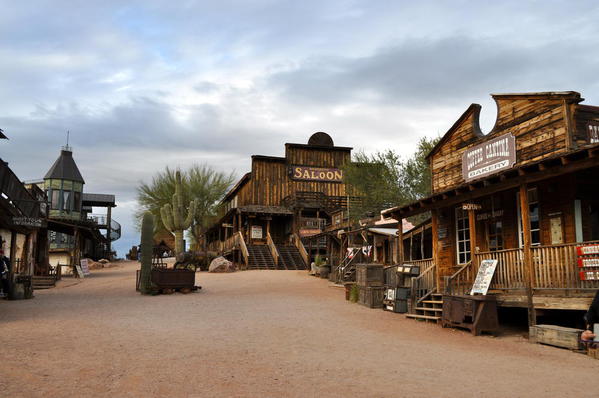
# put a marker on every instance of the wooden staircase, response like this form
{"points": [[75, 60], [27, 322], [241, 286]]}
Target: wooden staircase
{"points": [[290, 258], [429, 309], [260, 257], [43, 282]]}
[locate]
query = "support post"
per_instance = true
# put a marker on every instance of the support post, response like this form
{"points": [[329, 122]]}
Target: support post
{"points": [[473, 243], [108, 232], [400, 248], [435, 232], [528, 270]]}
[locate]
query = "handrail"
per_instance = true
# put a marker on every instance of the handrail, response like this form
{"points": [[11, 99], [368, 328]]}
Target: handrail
{"points": [[302, 250], [458, 279], [424, 284], [243, 248], [273, 248]]}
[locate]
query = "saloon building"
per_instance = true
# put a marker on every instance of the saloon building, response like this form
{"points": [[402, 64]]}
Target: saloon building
{"points": [[526, 194], [280, 202]]}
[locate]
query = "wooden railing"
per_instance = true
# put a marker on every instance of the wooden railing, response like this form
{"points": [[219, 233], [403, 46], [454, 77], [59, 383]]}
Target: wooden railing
{"points": [[273, 249], [510, 273], [302, 250], [555, 267], [230, 243], [424, 284], [243, 248], [461, 281], [216, 246]]}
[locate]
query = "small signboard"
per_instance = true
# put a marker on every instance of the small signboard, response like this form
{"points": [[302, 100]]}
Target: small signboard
{"points": [[80, 273], [588, 261], [471, 206], [484, 277], [593, 131], [489, 157], [85, 267], [309, 232], [256, 232], [30, 222]]}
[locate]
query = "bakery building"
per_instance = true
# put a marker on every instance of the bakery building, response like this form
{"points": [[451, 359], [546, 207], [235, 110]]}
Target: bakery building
{"points": [[526, 195]]}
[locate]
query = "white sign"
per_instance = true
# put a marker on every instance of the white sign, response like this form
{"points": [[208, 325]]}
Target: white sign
{"points": [[256, 232], [79, 270], [484, 277], [85, 267]]}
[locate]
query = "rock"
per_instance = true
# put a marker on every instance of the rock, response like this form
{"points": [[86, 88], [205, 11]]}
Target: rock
{"points": [[221, 264], [103, 261]]}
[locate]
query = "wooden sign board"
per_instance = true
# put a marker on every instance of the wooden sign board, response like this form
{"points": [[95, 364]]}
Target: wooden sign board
{"points": [[593, 131], [85, 267], [79, 271], [256, 232], [30, 222], [489, 157], [484, 277], [471, 206], [306, 173]]}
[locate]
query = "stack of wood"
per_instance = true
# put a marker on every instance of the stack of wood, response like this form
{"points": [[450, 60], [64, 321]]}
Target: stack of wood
{"points": [[370, 279]]}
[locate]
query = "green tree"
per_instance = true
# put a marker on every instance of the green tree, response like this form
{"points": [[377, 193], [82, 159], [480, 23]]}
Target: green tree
{"points": [[200, 183], [384, 180]]}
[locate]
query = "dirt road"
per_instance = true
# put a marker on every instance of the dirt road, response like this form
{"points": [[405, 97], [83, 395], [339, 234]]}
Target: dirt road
{"points": [[258, 334]]}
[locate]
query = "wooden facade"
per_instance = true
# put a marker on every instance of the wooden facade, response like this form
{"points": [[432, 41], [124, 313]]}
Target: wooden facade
{"points": [[283, 199], [525, 194]]}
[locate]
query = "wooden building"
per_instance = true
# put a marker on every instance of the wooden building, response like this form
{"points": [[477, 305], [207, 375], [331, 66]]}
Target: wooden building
{"points": [[23, 233], [526, 194], [74, 230], [281, 201]]}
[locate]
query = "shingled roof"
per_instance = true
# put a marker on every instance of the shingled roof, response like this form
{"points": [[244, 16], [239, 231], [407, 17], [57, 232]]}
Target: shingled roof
{"points": [[64, 168]]}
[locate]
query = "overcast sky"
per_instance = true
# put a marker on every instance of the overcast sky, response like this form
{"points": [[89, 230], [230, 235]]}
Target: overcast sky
{"points": [[145, 84]]}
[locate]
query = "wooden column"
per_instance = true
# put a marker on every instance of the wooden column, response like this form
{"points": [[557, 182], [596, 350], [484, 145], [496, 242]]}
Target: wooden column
{"points": [[473, 243], [268, 226], [108, 231], [435, 241], [400, 250], [528, 270], [75, 253], [13, 257]]}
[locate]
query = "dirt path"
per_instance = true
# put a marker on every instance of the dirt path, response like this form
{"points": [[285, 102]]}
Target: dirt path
{"points": [[258, 334]]}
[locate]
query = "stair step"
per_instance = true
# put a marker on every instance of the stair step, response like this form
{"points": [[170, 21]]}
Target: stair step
{"points": [[432, 302], [429, 309], [427, 317]]}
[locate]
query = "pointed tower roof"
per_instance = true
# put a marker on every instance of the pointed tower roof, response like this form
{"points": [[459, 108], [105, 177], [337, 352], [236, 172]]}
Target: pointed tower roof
{"points": [[65, 168]]}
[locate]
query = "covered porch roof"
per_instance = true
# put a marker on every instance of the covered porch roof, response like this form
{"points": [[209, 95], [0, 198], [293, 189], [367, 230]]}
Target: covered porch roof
{"points": [[583, 158]]}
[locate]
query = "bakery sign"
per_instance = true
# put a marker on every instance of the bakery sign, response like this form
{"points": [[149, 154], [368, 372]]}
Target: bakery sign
{"points": [[489, 157], [306, 173]]}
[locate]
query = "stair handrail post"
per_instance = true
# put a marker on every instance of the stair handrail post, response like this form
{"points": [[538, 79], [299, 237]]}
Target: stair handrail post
{"points": [[273, 249], [244, 250], [300, 247]]}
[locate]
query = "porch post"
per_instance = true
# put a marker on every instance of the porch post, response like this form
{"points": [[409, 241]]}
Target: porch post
{"points": [[528, 270], [434, 228], [400, 250], [472, 228]]}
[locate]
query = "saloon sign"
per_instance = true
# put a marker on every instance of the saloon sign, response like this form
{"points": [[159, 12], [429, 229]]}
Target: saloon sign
{"points": [[489, 157], [306, 173]]}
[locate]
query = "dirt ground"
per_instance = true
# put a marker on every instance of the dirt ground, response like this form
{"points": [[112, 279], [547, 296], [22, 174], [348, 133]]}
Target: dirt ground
{"points": [[258, 334]]}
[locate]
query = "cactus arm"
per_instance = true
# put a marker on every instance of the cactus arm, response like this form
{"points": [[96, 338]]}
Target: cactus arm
{"points": [[190, 215], [167, 219]]}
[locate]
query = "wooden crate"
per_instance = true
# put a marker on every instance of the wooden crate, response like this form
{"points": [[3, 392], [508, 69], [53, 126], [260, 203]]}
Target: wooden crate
{"points": [[370, 275], [371, 296], [557, 336]]}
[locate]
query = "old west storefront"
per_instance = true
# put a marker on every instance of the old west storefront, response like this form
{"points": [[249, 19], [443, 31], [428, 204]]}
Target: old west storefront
{"points": [[526, 194], [280, 202]]}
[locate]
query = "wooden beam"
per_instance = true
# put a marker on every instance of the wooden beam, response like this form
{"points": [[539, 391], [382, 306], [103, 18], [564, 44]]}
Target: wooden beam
{"points": [[528, 270], [400, 250], [472, 228], [435, 229]]}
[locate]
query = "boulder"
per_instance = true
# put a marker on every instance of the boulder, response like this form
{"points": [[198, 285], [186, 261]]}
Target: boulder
{"points": [[221, 264]]}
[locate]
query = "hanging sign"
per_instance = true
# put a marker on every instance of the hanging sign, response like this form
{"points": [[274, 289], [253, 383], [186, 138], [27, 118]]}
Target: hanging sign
{"points": [[489, 158], [471, 206], [593, 131], [30, 222], [484, 277], [306, 173], [588, 261], [256, 232], [587, 250]]}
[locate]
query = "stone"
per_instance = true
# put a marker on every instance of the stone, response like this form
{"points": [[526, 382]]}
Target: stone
{"points": [[221, 264]]}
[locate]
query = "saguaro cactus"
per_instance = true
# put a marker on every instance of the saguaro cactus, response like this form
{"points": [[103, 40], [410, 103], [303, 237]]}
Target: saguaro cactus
{"points": [[173, 215], [147, 232]]}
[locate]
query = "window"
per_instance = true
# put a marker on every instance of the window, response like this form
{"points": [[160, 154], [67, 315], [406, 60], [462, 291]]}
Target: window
{"points": [[55, 205], [66, 201], [495, 235], [533, 214], [76, 201], [462, 235]]}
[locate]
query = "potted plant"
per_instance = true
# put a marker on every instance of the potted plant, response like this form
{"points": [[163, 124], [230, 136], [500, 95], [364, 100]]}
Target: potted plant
{"points": [[321, 266]]}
